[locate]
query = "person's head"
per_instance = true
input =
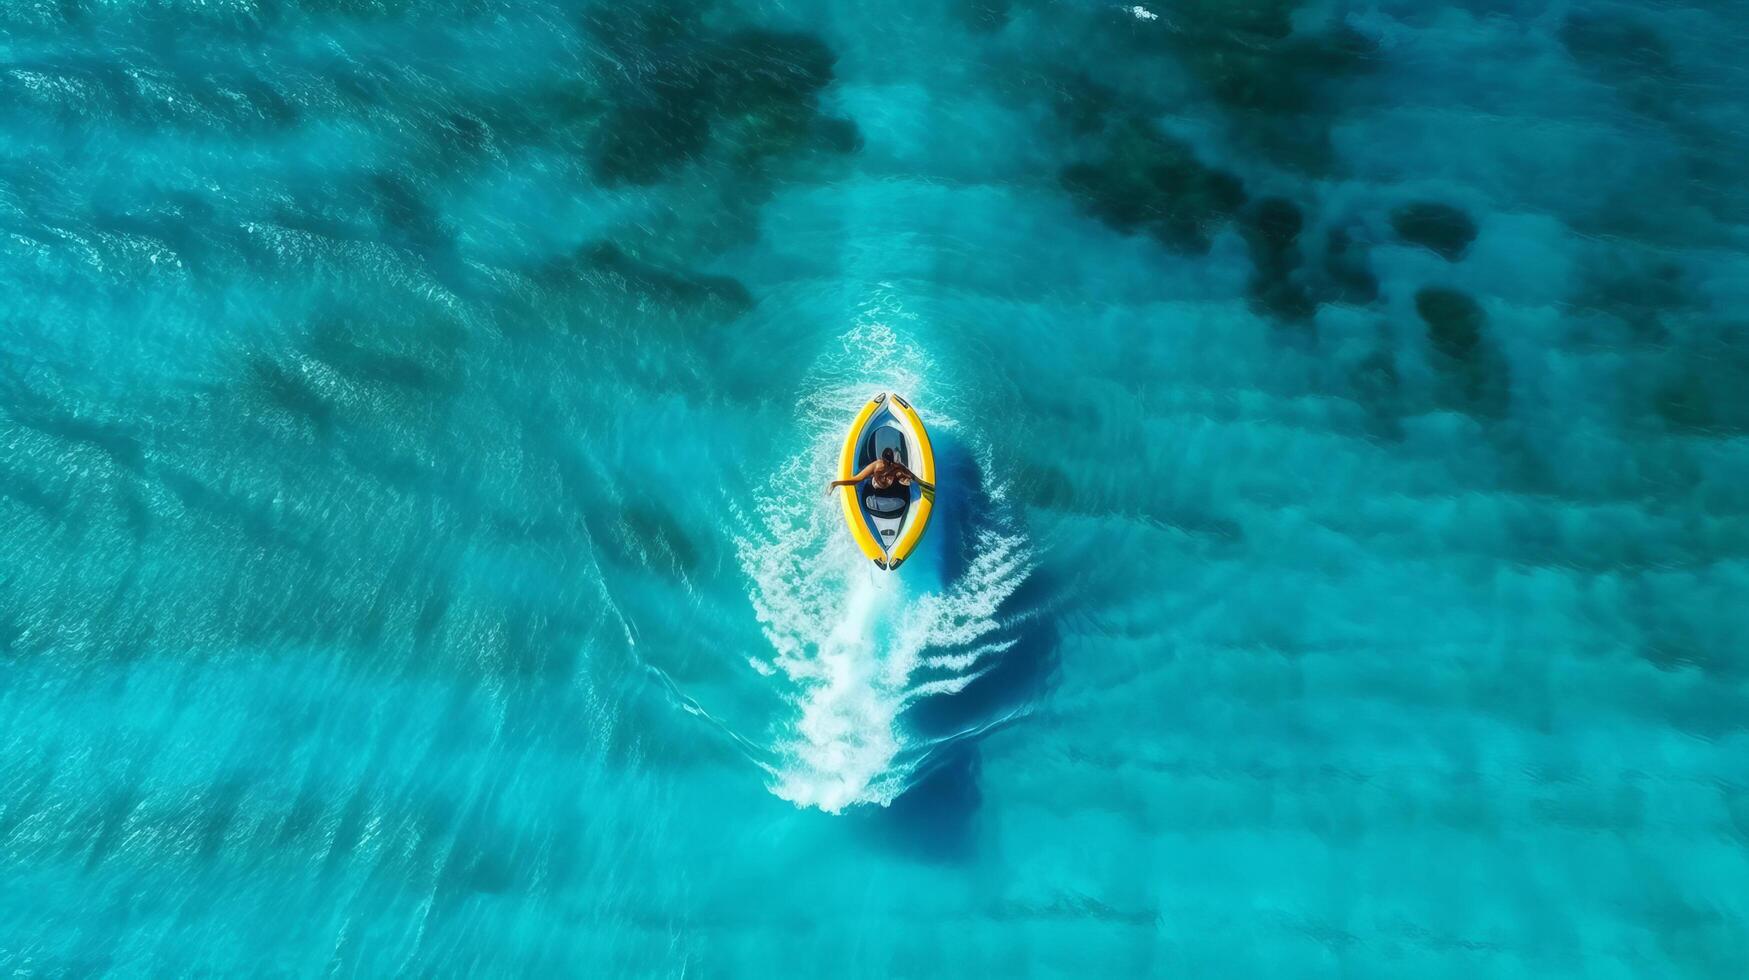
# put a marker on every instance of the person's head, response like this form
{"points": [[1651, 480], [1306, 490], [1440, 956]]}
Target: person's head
{"points": [[887, 454]]}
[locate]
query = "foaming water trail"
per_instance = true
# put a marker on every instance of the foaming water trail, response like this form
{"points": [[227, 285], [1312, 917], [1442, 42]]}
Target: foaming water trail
{"points": [[857, 646]]}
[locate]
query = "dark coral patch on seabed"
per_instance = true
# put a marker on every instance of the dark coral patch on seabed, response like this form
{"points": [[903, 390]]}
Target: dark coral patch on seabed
{"points": [[1454, 331], [1346, 269], [1454, 322], [1445, 230], [1272, 230], [1271, 82], [748, 97], [1147, 181], [1274, 79], [1293, 278], [610, 267]]}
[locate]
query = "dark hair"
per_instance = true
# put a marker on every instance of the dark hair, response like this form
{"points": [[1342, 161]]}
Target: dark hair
{"points": [[887, 454]]}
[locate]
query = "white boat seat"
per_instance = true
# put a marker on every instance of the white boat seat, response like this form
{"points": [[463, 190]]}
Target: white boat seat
{"points": [[878, 504]]}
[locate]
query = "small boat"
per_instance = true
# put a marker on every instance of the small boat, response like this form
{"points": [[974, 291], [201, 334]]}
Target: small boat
{"points": [[887, 524]]}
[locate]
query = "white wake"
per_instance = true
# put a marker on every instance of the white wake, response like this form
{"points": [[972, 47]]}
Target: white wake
{"points": [[855, 645]]}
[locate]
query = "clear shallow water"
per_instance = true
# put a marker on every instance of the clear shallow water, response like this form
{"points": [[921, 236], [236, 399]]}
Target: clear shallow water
{"points": [[412, 425]]}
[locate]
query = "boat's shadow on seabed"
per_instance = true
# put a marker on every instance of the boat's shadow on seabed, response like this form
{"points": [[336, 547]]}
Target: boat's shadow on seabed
{"points": [[934, 817]]}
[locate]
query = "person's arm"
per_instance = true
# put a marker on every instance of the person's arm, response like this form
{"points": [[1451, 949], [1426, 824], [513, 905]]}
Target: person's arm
{"points": [[906, 472], [853, 481]]}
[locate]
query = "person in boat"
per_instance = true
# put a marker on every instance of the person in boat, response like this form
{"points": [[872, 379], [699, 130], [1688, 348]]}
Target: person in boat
{"points": [[882, 474]]}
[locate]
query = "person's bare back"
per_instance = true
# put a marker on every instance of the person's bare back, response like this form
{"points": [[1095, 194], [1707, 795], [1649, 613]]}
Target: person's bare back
{"points": [[882, 474]]}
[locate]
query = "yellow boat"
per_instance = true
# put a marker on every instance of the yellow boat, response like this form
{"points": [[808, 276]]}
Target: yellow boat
{"points": [[887, 524]]}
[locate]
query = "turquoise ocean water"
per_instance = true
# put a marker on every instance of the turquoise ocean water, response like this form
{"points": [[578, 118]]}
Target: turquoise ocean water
{"points": [[413, 423]]}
